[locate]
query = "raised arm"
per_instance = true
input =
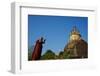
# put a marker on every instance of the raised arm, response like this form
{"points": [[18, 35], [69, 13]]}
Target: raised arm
{"points": [[44, 40]]}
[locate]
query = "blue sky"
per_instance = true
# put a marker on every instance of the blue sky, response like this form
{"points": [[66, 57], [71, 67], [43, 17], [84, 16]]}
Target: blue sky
{"points": [[55, 29]]}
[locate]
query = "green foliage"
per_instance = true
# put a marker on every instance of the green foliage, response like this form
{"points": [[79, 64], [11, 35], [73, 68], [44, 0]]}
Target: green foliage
{"points": [[30, 53], [29, 56], [48, 55], [51, 55], [63, 55], [60, 56], [66, 55]]}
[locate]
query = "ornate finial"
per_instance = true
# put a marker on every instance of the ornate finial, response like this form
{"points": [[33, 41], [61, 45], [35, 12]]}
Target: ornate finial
{"points": [[75, 30], [75, 34]]}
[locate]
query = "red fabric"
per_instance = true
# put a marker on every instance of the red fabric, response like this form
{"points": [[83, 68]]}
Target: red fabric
{"points": [[37, 50]]}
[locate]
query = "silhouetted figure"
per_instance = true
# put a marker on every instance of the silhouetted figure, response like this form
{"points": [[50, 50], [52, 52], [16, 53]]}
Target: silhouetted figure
{"points": [[38, 49]]}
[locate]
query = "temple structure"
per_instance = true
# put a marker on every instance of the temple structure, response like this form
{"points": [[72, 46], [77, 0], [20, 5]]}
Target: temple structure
{"points": [[76, 47]]}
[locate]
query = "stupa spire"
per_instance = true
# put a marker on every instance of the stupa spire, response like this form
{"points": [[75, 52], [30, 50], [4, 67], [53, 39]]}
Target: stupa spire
{"points": [[75, 34]]}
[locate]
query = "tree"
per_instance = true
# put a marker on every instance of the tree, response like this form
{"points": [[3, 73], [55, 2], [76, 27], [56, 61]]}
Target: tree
{"points": [[48, 55], [63, 55], [30, 50], [66, 55], [60, 56]]}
